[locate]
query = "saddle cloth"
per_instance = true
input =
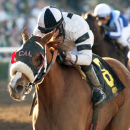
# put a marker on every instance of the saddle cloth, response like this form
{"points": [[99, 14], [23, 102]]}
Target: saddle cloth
{"points": [[111, 83]]}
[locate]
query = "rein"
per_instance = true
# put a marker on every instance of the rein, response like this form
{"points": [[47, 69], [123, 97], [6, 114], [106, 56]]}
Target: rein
{"points": [[49, 67], [31, 84]]}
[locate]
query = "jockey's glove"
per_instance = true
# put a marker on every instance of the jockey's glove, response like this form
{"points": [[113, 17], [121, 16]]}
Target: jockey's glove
{"points": [[62, 54]]}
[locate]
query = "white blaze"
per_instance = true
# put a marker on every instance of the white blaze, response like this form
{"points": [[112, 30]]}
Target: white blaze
{"points": [[15, 78]]}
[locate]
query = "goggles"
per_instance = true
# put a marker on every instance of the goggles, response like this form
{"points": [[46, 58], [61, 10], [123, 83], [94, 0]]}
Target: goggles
{"points": [[101, 18]]}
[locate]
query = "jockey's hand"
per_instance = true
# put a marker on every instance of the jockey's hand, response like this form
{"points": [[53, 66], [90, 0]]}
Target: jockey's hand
{"points": [[68, 57], [65, 55], [62, 54]]}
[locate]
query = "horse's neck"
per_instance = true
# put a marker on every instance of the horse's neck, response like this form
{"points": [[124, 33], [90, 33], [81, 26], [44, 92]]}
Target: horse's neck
{"points": [[51, 87], [97, 35], [61, 91], [103, 47]]}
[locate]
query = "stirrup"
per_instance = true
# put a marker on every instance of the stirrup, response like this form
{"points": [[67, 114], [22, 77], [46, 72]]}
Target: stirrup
{"points": [[98, 96]]}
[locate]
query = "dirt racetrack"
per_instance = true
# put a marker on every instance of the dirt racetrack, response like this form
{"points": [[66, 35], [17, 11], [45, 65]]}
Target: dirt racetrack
{"points": [[14, 115]]}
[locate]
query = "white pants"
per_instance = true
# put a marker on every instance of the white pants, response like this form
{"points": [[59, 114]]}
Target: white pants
{"points": [[124, 40]]}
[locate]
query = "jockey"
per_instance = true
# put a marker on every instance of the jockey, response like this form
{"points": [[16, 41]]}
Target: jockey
{"points": [[78, 39], [115, 23]]}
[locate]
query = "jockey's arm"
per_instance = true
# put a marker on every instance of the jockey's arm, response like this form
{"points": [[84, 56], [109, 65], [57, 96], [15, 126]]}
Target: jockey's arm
{"points": [[118, 30], [84, 47]]}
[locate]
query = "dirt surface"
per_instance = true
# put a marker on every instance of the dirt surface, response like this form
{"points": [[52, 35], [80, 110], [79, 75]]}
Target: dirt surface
{"points": [[14, 115]]}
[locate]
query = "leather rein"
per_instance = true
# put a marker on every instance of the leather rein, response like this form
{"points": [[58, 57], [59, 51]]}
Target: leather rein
{"points": [[31, 84]]}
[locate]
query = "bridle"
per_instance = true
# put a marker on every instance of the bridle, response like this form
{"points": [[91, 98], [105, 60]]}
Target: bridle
{"points": [[30, 85]]}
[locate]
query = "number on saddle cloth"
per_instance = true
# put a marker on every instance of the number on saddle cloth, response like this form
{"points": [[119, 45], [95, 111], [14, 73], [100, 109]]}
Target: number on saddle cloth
{"points": [[107, 77]]}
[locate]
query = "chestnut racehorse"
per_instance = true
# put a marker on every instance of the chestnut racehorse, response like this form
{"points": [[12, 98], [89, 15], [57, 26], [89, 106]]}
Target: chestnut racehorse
{"points": [[104, 46], [64, 100]]}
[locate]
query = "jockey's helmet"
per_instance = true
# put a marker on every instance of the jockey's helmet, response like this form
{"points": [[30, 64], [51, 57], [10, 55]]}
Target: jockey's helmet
{"points": [[102, 10], [49, 19]]}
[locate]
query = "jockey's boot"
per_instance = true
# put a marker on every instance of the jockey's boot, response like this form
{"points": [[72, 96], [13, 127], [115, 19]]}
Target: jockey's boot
{"points": [[98, 95]]}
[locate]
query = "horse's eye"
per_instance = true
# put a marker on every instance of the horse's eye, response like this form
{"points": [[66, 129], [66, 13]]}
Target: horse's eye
{"points": [[38, 58]]}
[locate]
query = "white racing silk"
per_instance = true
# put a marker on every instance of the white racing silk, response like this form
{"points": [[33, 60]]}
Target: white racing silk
{"points": [[79, 38]]}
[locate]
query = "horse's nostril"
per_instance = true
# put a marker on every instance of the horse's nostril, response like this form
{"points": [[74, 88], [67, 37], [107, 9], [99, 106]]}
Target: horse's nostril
{"points": [[19, 88]]}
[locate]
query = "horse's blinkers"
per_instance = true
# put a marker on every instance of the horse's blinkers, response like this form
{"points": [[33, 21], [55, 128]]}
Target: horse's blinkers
{"points": [[29, 48]]}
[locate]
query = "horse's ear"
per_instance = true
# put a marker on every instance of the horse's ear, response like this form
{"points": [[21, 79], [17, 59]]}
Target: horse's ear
{"points": [[25, 35], [82, 15], [46, 38]]}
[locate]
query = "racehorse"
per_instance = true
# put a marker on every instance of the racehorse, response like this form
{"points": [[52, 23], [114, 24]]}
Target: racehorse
{"points": [[104, 46], [64, 100]]}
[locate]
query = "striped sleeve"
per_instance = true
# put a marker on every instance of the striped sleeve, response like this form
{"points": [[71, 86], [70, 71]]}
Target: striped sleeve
{"points": [[84, 47], [118, 29], [80, 33], [81, 42]]}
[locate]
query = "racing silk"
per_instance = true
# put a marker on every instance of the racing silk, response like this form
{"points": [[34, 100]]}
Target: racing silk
{"points": [[78, 40], [116, 24]]}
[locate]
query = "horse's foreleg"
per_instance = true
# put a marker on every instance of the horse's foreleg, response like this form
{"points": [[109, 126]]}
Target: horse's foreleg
{"points": [[39, 121]]}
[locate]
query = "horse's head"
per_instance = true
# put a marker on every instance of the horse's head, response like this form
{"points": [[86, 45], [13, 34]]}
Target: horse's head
{"points": [[95, 26], [30, 60], [91, 20]]}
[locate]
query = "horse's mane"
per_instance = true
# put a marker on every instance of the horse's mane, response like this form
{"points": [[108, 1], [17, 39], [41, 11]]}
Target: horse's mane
{"points": [[87, 15], [53, 45]]}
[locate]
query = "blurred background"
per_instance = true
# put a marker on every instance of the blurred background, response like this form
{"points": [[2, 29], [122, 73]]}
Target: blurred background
{"points": [[14, 16]]}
